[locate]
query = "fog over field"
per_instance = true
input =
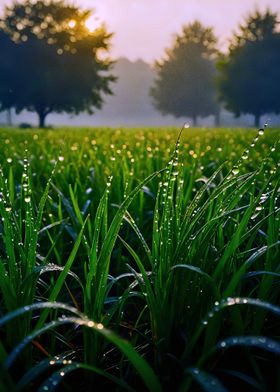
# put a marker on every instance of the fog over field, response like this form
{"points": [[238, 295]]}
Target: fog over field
{"points": [[130, 105]]}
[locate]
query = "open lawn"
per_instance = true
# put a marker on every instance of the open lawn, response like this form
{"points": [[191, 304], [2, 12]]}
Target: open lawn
{"points": [[133, 260]]}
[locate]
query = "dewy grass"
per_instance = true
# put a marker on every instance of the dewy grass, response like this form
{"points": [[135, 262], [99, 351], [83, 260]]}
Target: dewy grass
{"points": [[118, 270]]}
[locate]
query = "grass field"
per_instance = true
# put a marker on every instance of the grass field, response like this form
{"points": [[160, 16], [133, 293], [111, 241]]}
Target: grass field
{"points": [[133, 260]]}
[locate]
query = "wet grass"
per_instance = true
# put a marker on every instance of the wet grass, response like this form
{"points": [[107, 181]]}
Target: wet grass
{"points": [[132, 261]]}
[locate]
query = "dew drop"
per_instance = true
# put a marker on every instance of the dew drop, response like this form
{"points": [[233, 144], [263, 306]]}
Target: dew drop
{"points": [[235, 171]]}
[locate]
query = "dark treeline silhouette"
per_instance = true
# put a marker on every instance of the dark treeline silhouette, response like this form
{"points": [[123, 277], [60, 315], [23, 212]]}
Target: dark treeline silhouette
{"points": [[249, 77], [245, 81], [129, 105], [51, 63]]}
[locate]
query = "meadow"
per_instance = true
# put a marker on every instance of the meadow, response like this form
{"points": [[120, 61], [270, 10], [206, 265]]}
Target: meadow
{"points": [[137, 260]]}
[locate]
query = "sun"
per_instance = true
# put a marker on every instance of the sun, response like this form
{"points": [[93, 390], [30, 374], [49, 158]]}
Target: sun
{"points": [[72, 23]]}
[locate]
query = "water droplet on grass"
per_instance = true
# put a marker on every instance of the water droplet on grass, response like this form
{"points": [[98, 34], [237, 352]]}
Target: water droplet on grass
{"points": [[235, 171]]}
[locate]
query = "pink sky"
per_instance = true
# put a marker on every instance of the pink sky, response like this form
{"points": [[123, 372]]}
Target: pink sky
{"points": [[143, 28]]}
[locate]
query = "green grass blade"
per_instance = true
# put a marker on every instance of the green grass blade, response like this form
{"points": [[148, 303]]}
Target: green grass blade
{"points": [[60, 281]]}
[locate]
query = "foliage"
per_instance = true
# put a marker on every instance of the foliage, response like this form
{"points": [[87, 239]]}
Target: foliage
{"points": [[54, 59], [147, 284], [256, 27], [249, 76], [185, 77]]}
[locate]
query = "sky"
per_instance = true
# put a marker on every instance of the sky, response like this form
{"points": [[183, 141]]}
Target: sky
{"points": [[144, 28]]}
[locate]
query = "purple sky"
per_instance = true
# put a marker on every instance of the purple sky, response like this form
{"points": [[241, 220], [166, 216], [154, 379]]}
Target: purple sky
{"points": [[143, 28]]}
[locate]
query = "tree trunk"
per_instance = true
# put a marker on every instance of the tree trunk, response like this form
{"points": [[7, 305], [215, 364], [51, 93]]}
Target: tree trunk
{"points": [[9, 117], [42, 117], [217, 119], [257, 120], [194, 118]]}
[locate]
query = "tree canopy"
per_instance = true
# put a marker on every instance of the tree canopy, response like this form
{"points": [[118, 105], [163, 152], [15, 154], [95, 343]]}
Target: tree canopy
{"points": [[249, 76], [51, 61], [185, 77], [257, 27]]}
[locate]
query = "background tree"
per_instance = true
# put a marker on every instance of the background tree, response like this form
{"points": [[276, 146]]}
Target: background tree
{"points": [[249, 77], [185, 77], [7, 69], [256, 27], [55, 62]]}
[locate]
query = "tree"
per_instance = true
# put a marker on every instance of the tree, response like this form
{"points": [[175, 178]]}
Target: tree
{"points": [[249, 76], [7, 68], [56, 63], [185, 77], [257, 27]]}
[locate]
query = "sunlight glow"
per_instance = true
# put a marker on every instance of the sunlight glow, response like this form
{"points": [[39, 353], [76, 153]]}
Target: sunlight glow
{"points": [[92, 23], [72, 23]]}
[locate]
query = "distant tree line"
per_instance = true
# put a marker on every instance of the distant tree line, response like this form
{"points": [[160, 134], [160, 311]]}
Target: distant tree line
{"points": [[195, 79], [52, 62], [249, 77]]}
